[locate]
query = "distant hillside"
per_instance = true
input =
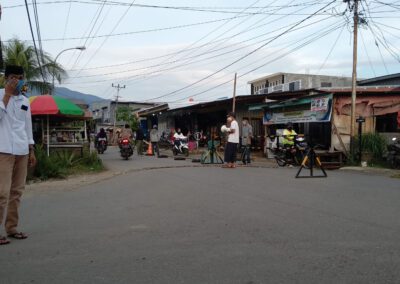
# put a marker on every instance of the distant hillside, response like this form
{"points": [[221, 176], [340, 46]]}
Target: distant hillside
{"points": [[74, 95], [69, 94]]}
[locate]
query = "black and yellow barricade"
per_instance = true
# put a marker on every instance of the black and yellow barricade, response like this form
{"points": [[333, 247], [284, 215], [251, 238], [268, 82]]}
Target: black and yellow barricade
{"points": [[311, 161]]}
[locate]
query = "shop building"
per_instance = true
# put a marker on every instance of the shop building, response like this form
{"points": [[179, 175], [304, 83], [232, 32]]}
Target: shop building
{"points": [[208, 117], [291, 82]]}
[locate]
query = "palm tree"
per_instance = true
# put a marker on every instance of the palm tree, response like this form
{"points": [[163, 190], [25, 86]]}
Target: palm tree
{"points": [[17, 52]]}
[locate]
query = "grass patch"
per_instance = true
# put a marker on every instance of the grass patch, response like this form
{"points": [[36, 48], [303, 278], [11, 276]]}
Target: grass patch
{"points": [[63, 163], [396, 176]]}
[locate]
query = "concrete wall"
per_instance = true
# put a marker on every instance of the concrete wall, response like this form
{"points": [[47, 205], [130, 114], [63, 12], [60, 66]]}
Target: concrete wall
{"points": [[315, 81], [307, 81], [342, 123]]}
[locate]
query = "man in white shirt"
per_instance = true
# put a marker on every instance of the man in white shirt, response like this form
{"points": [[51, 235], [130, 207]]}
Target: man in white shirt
{"points": [[233, 141], [16, 149]]}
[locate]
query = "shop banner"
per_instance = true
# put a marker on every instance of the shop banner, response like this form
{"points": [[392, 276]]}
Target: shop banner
{"points": [[319, 104], [320, 110]]}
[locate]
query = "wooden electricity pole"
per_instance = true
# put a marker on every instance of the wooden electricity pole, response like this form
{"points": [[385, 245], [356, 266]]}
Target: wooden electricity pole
{"points": [[234, 94], [354, 79]]}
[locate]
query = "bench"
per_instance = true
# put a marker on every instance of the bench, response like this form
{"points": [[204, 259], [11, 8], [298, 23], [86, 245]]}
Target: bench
{"points": [[330, 160]]}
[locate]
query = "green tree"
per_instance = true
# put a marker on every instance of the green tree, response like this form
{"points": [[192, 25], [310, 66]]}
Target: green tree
{"points": [[126, 115], [17, 52]]}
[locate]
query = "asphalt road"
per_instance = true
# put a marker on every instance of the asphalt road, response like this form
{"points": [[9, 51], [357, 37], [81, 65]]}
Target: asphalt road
{"points": [[211, 225]]}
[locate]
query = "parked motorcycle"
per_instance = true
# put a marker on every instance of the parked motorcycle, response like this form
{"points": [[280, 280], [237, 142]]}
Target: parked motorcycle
{"points": [[126, 149], [101, 145], [165, 141], [293, 155], [393, 156], [181, 146]]}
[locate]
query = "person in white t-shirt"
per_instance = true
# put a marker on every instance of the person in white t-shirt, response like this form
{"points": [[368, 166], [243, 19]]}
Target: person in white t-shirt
{"points": [[233, 141]]}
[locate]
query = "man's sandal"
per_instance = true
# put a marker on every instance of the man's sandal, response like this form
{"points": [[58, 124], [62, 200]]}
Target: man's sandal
{"points": [[18, 236], [4, 241]]}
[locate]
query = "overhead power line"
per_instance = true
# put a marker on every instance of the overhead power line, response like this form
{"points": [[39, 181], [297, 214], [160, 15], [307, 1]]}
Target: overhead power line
{"points": [[34, 42], [244, 56], [331, 50], [278, 57], [294, 47], [105, 40], [198, 57], [224, 39], [90, 32], [67, 20], [251, 27], [142, 31], [229, 10]]}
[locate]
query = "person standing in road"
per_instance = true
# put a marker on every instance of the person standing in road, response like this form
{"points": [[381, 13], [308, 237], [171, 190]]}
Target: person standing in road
{"points": [[154, 139], [247, 134], [139, 141], [16, 149], [233, 141]]}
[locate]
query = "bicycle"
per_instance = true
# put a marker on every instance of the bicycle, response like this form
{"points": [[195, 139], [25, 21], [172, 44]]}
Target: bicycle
{"points": [[245, 152]]}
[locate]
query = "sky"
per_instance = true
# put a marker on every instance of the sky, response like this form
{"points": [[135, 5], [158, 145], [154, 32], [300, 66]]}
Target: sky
{"points": [[180, 50]]}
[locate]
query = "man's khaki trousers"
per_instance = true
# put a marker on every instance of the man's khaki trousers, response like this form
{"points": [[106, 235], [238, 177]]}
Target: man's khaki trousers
{"points": [[13, 171]]}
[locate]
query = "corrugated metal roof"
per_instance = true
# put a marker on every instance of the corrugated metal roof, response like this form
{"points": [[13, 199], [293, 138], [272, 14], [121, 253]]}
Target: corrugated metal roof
{"points": [[380, 78]]}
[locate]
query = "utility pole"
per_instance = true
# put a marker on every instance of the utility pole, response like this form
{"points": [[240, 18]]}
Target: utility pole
{"points": [[234, 94], [118, 87], [354, 77]]}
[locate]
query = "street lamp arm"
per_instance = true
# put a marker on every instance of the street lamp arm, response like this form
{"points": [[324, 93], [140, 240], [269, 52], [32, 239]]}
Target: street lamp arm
{"points": [[81, 48], [72, 48]]}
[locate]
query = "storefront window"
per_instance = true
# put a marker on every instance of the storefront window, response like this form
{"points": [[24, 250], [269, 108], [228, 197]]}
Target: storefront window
{"points": [[387, 123]]}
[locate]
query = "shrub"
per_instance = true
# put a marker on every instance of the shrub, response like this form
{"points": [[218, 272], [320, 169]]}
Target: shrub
{"points": [[47, 167], [373, 143], [63, 163], [92, 161]]}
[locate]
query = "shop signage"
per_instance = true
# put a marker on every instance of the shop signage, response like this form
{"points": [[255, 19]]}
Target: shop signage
{"points": [[320, 111], [319, 104]]}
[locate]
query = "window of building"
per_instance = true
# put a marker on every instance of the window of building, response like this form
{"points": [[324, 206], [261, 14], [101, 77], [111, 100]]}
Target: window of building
{"points": [[387, 123], [326, 84]]}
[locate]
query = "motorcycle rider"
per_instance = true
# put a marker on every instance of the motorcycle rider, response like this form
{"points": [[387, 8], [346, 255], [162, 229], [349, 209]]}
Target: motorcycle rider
{"points": [[126, 133], [178, 136], [289, 135], [101, 134]]}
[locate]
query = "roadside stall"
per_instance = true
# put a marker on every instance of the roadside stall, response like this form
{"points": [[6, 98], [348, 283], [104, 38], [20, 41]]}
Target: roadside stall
{"points": [[62, 124], [311, 116]]}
